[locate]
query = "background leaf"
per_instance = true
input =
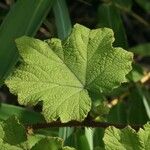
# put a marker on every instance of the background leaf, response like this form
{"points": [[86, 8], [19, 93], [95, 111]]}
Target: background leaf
{"points": [[62, 19]]}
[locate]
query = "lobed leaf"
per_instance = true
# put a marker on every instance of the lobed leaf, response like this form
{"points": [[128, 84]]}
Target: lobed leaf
{"points": [[61, 73]]}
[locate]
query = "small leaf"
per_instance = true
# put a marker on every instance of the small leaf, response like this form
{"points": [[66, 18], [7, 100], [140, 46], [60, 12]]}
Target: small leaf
{"points": [[61, 73], [14, 132]]}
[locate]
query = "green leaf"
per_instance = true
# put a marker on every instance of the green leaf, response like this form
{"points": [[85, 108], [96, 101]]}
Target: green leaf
{"points": [[142, 49], [14, 132], [127, 138], [109, 16], [32, 139], [61, 73], [24, 18], [50, 144], [144, 136]]}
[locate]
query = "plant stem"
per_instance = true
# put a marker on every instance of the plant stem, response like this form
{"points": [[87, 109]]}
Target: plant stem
{"points": [[92, 124]]}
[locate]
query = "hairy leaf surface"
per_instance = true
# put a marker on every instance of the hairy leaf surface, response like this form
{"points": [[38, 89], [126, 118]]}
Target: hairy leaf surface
{"points": [[61, 73]]}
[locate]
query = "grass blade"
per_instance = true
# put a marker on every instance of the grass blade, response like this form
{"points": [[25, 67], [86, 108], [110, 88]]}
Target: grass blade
{"points": [[62, 18], [24, 18], [24, 115]]}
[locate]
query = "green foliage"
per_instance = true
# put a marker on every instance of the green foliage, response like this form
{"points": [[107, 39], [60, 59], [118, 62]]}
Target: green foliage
{"points": [[76, 77], [127, 138], [13, 136], [24, 18], [61, 73]]}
